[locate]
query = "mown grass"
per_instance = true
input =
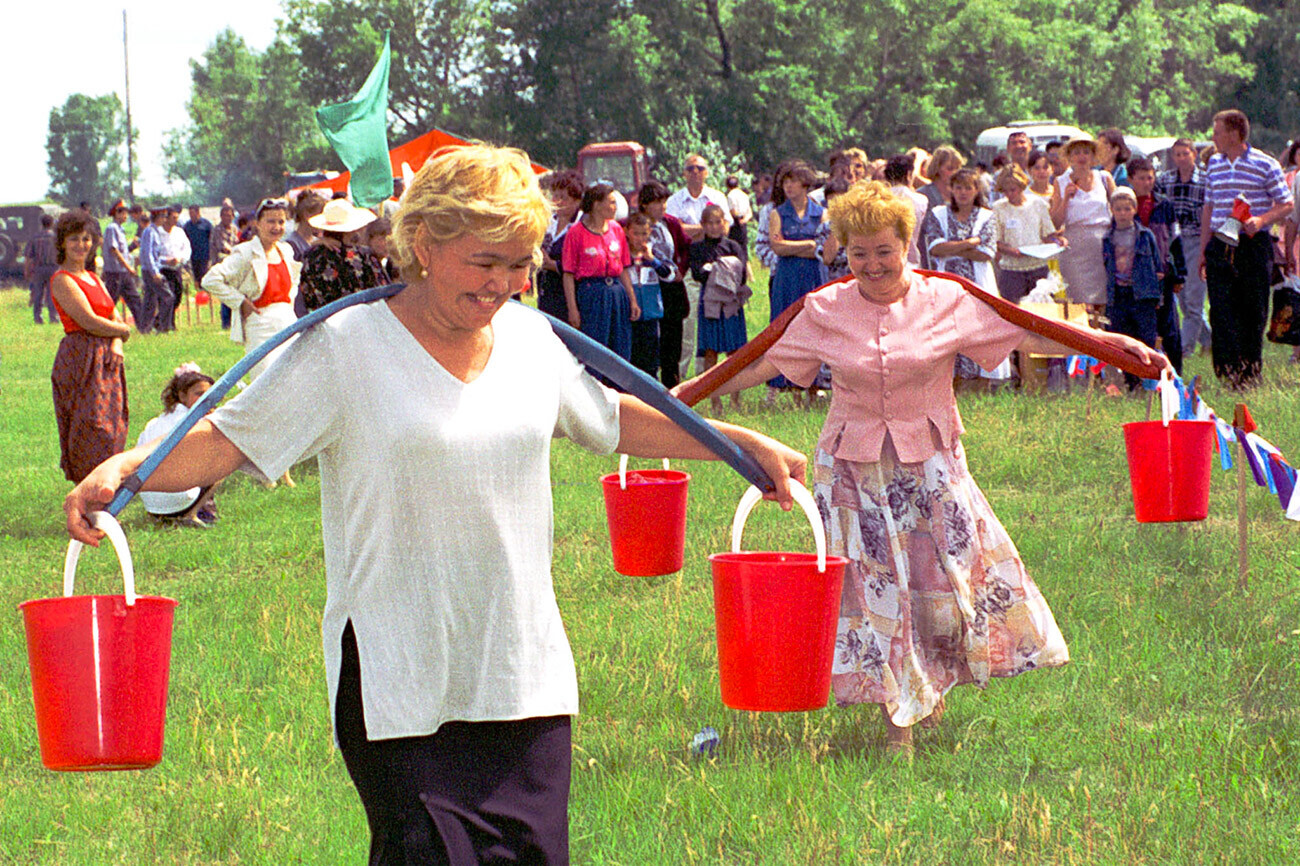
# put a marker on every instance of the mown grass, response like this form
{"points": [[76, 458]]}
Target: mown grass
{"points": [[1171, 737]]}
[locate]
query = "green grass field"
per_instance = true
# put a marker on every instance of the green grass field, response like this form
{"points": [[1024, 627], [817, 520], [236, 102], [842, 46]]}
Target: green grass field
{"points": [[1171, 737]]}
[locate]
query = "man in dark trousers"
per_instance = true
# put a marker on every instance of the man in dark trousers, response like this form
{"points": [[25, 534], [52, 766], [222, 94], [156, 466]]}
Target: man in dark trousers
{"points": [[40, 261], [199, 231], [1238, 278]]}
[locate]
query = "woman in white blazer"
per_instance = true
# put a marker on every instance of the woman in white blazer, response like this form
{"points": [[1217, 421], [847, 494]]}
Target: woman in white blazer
{"points": [[259, 281]]}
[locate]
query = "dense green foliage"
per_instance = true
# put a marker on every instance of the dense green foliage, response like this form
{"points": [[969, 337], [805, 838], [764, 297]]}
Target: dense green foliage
{"points": [[755, 81], [1172, 737], [85, 149], [248, 123]]}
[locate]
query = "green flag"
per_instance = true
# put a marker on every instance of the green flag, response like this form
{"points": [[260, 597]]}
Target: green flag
{"points": [[358, 129]]}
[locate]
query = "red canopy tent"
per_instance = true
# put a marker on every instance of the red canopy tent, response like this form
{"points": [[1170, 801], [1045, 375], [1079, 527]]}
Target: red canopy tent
{"points": [[413, 154]]}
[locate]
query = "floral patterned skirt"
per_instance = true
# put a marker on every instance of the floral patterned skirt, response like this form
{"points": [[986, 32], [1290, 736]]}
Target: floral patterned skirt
{"points": [[935, 593]]}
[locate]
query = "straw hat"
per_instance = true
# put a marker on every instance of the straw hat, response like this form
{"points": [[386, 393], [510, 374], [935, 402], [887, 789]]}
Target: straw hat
{"points": [[340, 216], [1080, 139]]}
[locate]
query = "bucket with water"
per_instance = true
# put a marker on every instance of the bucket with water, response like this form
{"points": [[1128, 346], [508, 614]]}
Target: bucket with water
{"points": [[776, 617], [646, 510], [99, 668], [1169, 469]]}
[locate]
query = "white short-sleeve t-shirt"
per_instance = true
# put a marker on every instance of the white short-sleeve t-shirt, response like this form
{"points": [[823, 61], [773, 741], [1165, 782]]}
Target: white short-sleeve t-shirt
{"points": [[436, 509]]}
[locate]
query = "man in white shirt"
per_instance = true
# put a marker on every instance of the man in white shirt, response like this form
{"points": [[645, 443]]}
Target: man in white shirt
{"points": [[687, 205], [176, 252]]}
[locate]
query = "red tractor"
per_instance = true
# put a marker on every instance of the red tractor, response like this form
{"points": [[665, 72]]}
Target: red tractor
{"points": [[622, 163]]}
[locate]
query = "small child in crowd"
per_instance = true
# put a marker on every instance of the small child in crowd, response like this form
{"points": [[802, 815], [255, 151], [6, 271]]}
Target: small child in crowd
{"points": [[197, 506], [834, 258], [647, 271], [1134, 273], [377, 240], [1157, 213], [720, 265]]}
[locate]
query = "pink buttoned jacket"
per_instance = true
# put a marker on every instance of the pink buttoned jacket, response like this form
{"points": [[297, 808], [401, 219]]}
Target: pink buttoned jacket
{"points": [[891, 364]]}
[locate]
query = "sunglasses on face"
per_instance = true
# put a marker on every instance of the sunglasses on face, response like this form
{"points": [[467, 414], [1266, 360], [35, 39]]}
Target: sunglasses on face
{"points": [[696, 168]]}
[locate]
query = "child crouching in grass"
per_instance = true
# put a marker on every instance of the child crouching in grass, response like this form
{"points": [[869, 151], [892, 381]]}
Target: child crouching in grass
{"points": [[647, 271], [1134, 273], [720, 265], [197, 506]]}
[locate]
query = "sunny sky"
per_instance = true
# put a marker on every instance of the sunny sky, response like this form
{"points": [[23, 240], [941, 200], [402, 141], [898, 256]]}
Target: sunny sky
{"points": [[44, 67]]}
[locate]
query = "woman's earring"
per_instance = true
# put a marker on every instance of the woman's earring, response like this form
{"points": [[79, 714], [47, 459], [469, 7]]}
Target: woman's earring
{"points": [[424, 272]]}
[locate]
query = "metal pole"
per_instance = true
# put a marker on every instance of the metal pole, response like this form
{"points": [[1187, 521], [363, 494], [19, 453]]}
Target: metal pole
{"points": [[130, 157]]}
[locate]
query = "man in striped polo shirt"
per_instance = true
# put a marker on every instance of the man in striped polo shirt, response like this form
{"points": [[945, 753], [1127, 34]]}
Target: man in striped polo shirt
{"points": [[1238, 278]]}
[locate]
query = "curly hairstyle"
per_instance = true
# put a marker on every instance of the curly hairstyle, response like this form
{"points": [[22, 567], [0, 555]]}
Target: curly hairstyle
{"points": [[479, 189], [181, 381], [869, 207], [74, 222]]}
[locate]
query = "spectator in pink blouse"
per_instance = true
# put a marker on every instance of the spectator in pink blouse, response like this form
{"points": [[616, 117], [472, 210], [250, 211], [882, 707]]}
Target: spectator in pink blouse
{"points": [[597, 273]]}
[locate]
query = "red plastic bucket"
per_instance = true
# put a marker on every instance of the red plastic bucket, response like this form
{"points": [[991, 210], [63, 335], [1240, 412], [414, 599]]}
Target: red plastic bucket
{"points": [[1169, 469], [99, 668], [647, 519], [776, 617]]}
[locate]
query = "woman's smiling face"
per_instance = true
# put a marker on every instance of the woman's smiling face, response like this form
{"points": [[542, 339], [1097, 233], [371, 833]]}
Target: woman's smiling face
{"points": [[878, 262]]}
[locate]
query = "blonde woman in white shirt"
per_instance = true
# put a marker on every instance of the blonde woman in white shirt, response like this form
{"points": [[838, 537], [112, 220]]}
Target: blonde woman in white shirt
{"points": [[451, 680]]}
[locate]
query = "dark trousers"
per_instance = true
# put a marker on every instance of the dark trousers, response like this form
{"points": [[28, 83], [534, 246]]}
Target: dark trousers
{"points": [[1168, 328], [676, 308], [1014, 285], [645, 346], [159, 304], [1237, 283], [40, 295], [470, 793], [173, 277], [1133, 318], [121, 287]]}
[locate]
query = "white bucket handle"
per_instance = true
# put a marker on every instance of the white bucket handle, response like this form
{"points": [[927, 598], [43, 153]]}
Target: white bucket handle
{"points": [[806, 502], [1170, 400], [106, 522], [622, 471]]}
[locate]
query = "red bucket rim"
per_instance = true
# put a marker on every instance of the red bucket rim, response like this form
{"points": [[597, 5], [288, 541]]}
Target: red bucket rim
{"points": [[665, 476], [1161, 423], [139, 598], [799, 558]]}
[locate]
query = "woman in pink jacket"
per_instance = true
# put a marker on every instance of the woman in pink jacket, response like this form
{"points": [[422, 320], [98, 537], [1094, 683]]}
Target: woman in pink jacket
{"points": [[935, 593]]}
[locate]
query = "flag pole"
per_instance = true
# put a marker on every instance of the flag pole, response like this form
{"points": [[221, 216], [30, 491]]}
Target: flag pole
{"points": [[1244, 423], [130, 149]]}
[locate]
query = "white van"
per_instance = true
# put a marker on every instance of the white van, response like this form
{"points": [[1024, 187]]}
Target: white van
{"points": [[991, 141]]}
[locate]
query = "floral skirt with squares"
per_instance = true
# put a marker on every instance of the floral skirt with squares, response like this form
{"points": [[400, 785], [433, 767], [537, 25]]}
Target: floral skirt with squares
{"points": [[935, 594]]}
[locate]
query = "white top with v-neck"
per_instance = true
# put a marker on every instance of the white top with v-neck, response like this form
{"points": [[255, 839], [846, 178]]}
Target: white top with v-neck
{"points": [[436, 509]]}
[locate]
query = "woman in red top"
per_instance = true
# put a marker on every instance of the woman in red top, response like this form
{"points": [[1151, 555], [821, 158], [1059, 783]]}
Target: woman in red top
{"points": [[88, 378], [597, 273], [258, 281]]}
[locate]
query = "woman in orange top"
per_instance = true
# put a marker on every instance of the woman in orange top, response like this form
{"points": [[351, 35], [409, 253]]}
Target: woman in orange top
{"points": [[935, 593], [258, 281], [88, 378]]}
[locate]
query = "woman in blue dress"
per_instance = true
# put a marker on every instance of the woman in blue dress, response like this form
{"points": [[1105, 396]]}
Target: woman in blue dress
{"points": [[792, 229]]}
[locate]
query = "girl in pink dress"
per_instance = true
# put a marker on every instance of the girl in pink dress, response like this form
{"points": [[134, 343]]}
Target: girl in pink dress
{"points": [[935, 593]]}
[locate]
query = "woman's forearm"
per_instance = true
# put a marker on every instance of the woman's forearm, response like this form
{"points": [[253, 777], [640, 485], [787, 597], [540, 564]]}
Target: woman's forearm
{"points": [[796, 249], [570, 292]]}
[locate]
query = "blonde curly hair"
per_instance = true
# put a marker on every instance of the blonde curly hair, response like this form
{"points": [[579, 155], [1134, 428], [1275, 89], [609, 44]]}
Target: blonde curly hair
{"points": [[479, 189], [869, 207]]}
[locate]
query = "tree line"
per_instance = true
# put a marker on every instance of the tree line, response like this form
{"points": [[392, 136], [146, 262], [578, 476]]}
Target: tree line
{"points": [[755, 80]]}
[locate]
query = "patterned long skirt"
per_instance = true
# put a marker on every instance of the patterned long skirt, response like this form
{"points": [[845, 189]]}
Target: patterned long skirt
{"points": [[89, 403], [935, 593]]}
